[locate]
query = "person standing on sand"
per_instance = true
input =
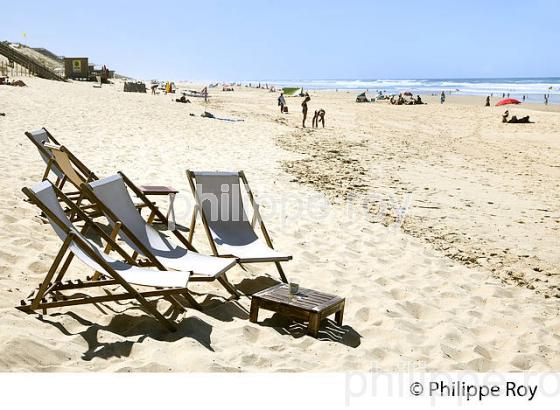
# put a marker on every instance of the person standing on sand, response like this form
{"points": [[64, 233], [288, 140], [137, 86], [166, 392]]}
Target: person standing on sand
{"points": [[487, 101], [442, 97], [281, 102], [304, 109], [545, 99]]}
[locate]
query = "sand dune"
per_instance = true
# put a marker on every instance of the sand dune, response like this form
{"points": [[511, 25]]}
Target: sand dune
{"points": [[426, 289]]}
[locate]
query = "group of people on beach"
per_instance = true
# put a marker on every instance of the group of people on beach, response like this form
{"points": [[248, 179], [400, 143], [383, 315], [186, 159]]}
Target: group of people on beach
{"points": [[402, 100], [5, 80], [318, 116]]}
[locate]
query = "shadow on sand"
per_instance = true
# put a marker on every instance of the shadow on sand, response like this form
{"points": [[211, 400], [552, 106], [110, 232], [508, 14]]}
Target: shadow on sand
{"points": [[143, 327], [128, 326]]}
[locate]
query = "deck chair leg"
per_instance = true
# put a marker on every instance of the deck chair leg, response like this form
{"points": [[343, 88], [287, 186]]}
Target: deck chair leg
{"points": [[74, 213], [228, 286], [64, 268], [108, 248], [193, 223], [149, 308], [48, 170], [192, 301], [45, 284], [171, 299], [281, 272]]}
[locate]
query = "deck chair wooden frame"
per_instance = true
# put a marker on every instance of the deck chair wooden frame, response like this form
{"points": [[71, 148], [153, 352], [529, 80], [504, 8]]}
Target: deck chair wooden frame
{"points": [[46, 154], [53, 288], [74, 172], [151, 259], [191, 176]]}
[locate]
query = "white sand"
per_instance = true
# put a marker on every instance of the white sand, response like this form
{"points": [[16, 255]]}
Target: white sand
{"points": [[409, 306]]}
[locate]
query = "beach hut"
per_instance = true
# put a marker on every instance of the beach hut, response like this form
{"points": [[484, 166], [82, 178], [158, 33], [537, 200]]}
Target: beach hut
{"points": [[76, 68]]}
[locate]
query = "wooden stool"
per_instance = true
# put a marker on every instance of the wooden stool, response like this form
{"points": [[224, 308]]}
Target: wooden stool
{"points": [[307, 304], [163, 190]]}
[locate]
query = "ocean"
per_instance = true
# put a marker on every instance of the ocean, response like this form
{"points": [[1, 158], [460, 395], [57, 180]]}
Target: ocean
{"points": [[533, 88]]}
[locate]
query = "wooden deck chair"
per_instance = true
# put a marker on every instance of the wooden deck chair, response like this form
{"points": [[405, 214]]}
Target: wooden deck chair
{"points": [[220, 203], [39, 138], [113, 198], [75, 172], [109, 272]]}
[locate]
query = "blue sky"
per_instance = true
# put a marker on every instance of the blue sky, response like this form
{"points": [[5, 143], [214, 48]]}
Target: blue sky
{"points": [[306, 39]]}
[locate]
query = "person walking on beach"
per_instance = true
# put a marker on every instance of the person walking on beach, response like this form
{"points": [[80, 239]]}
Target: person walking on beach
{"points": [[442, 97], [304, 109], [281, 102]]}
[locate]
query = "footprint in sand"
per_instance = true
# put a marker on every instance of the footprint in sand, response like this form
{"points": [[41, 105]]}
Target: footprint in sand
{"points": [[363, 314], [452, 353], [251, 334], [502, 293], [523, 362], [398, 294], [479, 365], [482, 352], [419, 311], [8, 219]]}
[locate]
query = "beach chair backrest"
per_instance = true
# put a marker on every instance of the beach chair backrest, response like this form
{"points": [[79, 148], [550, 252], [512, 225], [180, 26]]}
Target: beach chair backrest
{"points": [[64, 163], [116, 203], [45, 197], [39, 138], [219, 195]]}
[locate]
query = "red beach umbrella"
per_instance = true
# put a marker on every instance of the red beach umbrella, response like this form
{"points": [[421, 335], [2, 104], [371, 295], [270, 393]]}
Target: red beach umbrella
{"points": [[507, 101]]}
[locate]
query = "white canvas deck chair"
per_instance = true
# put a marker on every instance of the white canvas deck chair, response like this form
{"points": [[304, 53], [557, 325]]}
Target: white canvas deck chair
{"points": [[113, 198], [39, 138], [108, 271], [220, 203]]}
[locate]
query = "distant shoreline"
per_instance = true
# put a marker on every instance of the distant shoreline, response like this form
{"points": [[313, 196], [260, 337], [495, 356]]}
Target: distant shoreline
{"points": [[534, 89]]}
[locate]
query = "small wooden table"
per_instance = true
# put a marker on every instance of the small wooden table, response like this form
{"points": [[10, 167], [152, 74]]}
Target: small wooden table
{"points": [[163, 190], [308, 304]]}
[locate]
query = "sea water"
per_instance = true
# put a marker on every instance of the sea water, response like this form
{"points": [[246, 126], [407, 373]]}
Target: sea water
{"points": [[533, 88]]}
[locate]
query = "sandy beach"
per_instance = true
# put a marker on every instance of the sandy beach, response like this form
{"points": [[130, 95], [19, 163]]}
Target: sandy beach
{"points": [[437, 223]]}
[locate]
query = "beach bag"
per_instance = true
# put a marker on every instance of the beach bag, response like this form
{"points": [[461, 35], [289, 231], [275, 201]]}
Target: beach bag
{"points": [[286, 109]]}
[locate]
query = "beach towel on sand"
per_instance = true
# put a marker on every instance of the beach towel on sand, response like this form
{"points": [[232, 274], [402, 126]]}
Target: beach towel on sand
{"points": [[207, 114]]}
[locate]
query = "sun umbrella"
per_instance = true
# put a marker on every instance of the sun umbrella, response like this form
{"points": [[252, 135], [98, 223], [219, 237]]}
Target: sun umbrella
{"points": [[507, 101]]}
